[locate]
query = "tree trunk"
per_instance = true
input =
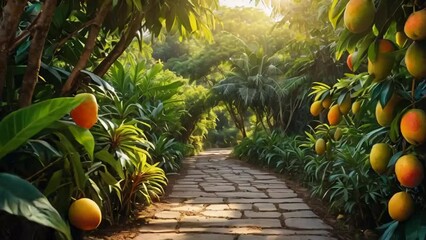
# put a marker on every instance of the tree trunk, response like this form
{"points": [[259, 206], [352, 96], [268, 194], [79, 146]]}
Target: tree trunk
{"points": [[10, 17], [238, 118], [119, 48], [36, 51], [241, 118], [89, 46]]}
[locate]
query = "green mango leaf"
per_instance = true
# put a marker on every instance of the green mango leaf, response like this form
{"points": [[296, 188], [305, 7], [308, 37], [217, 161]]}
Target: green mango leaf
{"points": [[54, 183], [20, 198], [386, 93], [17, 127], [376, 91], [372, 51], [108, 158], [84, 137], [387, 235], [342, 97], [394, 158], [336, 12], [362, 48], [394, 132], [79, 174]]}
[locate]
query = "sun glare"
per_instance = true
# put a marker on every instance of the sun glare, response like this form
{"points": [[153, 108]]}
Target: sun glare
{"points": [[245, 3]]}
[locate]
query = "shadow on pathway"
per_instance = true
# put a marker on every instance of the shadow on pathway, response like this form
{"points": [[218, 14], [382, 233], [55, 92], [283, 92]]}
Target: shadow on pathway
{"points": [[221, 198]]}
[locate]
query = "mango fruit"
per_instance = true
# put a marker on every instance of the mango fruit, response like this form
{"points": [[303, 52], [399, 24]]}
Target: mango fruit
{"points": [[359, 15], [413, 126], [338, 134], [320, 146], [316, 108], [401, 39], [351, 60], [382, 66], [385, 115], [415, 59], [415, 26], [334, 116], [326, 102], [346, 104], [356, 106], [85, 115], [401, 206], [409, 171], [380, 155]]}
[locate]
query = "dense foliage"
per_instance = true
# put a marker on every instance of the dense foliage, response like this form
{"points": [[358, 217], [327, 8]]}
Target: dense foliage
{"points": [[51, 49], [364, 141]]}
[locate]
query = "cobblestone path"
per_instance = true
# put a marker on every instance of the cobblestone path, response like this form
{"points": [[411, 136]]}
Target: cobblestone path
{"points": [[222, 199]]}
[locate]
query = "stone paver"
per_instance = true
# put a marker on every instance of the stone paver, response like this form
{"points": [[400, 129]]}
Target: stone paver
{"points": [[167, 215], [294, 206], [306, 223], [264, 207], [223, 214], [221, 198], [253, 214], [299, 214]]}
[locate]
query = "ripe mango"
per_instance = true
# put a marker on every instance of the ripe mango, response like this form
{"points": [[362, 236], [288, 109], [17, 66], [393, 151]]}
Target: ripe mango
{"points": [[359, 15], [326, 102], [356, 106], [409, 171], [85, 115], [382, 66], [413, 126], [401, 39], [401, 206], [351, 60], [415, 59], [415, 26], [384, 116], [346, 104], [334, 116], [316, 108], [380, 155]]}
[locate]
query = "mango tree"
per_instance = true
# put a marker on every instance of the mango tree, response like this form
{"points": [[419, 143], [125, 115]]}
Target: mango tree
{"points": [[384, 97]]}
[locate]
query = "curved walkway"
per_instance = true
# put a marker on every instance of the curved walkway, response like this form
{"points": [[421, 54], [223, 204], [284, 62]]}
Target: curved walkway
{"points": [[220, 198]]}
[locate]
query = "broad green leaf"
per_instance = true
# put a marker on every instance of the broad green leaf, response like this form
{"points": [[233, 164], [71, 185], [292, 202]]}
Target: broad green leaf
{"points": [[54, 182], [394, 132], [372, 51], [362, 49], [193, 21], [84, 137], [342, 43], [342, 97], [98, 80], [386, 93], [336, 11], [20, 198], [108, 178], [74, 157], [108, 158], [394, 158], [17, 127]]}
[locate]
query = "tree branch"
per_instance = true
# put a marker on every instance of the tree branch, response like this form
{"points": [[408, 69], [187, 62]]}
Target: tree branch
{"points": [[119, 48], [24, 34], [36, 51], [64, 40], [89, 46], [10, 17]]}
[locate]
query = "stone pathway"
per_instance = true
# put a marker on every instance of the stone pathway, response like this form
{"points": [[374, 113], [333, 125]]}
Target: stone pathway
{"points": [[219, 198]]}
